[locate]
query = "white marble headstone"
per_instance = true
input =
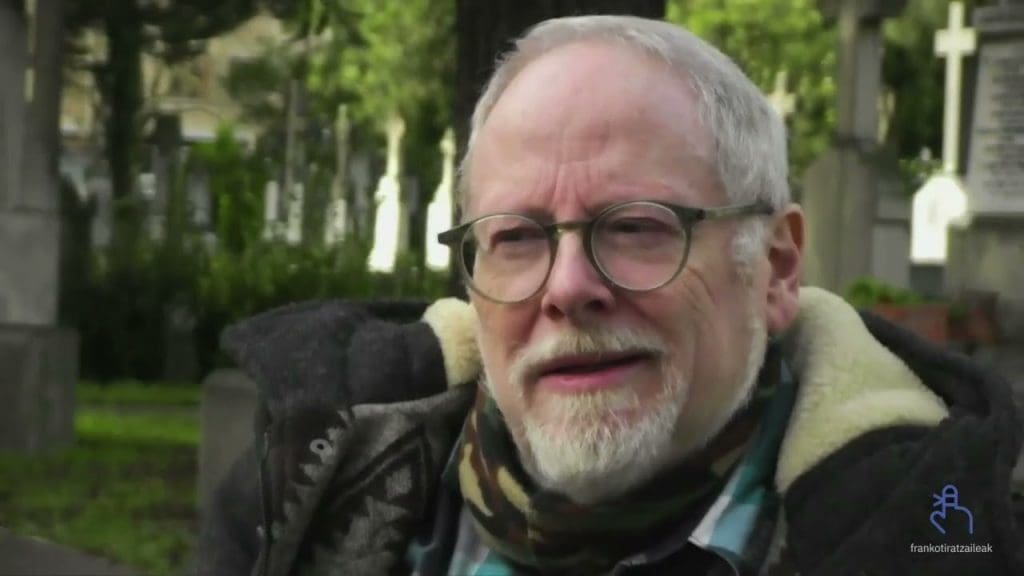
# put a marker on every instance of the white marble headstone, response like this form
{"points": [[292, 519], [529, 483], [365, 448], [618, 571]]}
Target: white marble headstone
{"points": [[439, 213], [942, 201], [387, 227]]}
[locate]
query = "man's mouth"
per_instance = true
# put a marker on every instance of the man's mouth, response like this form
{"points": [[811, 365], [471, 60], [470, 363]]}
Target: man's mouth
{"points": [[589, 372], [583, 364]]}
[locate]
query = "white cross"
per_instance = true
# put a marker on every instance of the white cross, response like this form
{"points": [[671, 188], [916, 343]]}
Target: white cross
{"points": [[953, 43], [783, 102]]}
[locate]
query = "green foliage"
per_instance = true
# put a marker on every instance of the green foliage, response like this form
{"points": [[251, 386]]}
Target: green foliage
{"points": [[122, 309], [868, 292], [403, 64], [915, 75], [138, 393], [376, 57], [236, 182], [765, 37], [126, 490]]}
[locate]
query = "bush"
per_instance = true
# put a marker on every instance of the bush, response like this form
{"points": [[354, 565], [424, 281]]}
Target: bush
{"points": [[124, 298], [869, 292], [122, 319]]}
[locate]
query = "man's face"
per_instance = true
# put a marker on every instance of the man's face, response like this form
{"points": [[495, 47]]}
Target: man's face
{"points": [[582, 127]]}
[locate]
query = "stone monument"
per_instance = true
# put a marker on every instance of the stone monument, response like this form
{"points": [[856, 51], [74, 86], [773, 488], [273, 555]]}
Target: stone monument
{"points": [[296, 200], [987, 254], [226, 414], [337, 207], [271, 210], [782, 100], [386, 229], [942, 201], [841, 189], [439, 213], [39, 360]]}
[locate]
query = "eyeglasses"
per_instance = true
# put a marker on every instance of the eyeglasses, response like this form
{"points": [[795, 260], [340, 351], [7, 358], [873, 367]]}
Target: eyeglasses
{"points": [[638, 246]]}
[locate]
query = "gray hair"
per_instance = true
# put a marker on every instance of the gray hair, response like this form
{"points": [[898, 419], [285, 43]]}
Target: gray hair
{"points": [[749, 136]]}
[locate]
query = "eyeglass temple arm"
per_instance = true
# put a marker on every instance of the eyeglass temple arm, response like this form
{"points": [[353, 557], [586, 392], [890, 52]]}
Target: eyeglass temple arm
{"points": [[450, 237], [736, 210]]}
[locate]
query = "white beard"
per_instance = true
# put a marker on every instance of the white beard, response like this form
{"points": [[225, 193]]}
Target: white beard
{"points": [[589, 453]]}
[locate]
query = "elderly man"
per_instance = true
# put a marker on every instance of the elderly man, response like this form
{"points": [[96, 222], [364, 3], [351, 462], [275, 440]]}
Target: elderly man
{"points": [[638, 386]]}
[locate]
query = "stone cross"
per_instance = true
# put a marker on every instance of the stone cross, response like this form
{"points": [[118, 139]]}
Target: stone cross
{"points": [[784, 102], [387, 227], [439, 213], [953, 43]]}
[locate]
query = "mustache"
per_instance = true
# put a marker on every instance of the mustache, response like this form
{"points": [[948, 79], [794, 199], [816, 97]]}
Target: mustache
{"points": [[599, 340]]}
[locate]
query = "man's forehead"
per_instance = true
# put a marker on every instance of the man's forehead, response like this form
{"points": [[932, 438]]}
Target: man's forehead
{"points": [[588, 100], [572, 82]]}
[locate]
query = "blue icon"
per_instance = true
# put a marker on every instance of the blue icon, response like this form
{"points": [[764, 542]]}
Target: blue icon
{"points": [[949, 499]]}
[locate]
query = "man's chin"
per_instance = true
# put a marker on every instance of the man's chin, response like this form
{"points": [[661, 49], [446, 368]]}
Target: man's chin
{"points": [[597, 458]]}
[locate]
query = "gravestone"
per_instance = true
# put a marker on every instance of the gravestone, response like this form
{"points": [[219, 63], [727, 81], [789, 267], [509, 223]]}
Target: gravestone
{"points": [[296, 199], [890, 230], [226, 414], [271, 210], [38, 359], [841, 188], [387, 228], [181, 358], [783, 101], [360, 171], [337, 208], [942, 201], [439, 212], [98, 186], [986, 255], [200, 202], [170, 211]]}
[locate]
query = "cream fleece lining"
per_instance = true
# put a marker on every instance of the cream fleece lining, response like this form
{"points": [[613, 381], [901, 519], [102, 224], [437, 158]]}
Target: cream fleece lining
{"points": [[849, 382], [455, 325]]}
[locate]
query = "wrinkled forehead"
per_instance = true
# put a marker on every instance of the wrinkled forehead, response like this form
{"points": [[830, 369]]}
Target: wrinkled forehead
{"points": [[585, 99]]}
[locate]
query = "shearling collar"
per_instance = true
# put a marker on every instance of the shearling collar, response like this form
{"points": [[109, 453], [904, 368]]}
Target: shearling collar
{"points": [[850, 383]]}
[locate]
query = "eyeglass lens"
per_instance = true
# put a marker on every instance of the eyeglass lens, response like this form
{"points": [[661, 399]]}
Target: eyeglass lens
{"points": [[638, 246]]}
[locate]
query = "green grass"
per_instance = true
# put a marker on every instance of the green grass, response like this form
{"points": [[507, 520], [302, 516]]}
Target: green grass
{"points": [[126, 490], [135, 393]]}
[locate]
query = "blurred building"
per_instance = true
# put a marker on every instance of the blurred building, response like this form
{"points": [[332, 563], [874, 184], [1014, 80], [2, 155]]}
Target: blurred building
{"points": [[193, 90]]}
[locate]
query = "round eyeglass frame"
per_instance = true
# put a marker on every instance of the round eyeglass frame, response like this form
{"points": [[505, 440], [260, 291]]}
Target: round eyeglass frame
{"points": [[688, 218]]}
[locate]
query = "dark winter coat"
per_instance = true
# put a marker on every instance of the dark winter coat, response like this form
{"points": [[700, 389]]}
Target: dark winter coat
{"points": [[359, 415]]}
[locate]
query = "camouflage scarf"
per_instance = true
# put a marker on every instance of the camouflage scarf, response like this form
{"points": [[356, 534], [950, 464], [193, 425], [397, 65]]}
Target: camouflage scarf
{"points": [[545, 532]]}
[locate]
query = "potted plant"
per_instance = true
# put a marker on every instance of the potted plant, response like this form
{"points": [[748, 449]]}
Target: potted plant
{"points": [[928, 319]]}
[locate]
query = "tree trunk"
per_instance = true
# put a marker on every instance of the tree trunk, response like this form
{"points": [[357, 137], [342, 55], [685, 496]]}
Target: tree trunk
{"points": [[486, 28], [124, 95]]}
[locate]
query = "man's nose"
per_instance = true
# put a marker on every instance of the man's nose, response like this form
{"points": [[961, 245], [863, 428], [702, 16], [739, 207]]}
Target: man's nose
{"points": [[575, 289]]}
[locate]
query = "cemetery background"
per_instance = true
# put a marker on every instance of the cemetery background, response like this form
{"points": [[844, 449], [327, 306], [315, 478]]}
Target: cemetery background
{"points": [[239, 164]]}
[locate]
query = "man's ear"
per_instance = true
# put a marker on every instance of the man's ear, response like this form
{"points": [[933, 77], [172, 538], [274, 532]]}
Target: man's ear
{"points": [[785, 259]]}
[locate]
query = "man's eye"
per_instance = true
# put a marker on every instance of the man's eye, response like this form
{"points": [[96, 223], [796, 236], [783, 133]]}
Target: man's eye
{"points": [[516, 235], [638, 226]]}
